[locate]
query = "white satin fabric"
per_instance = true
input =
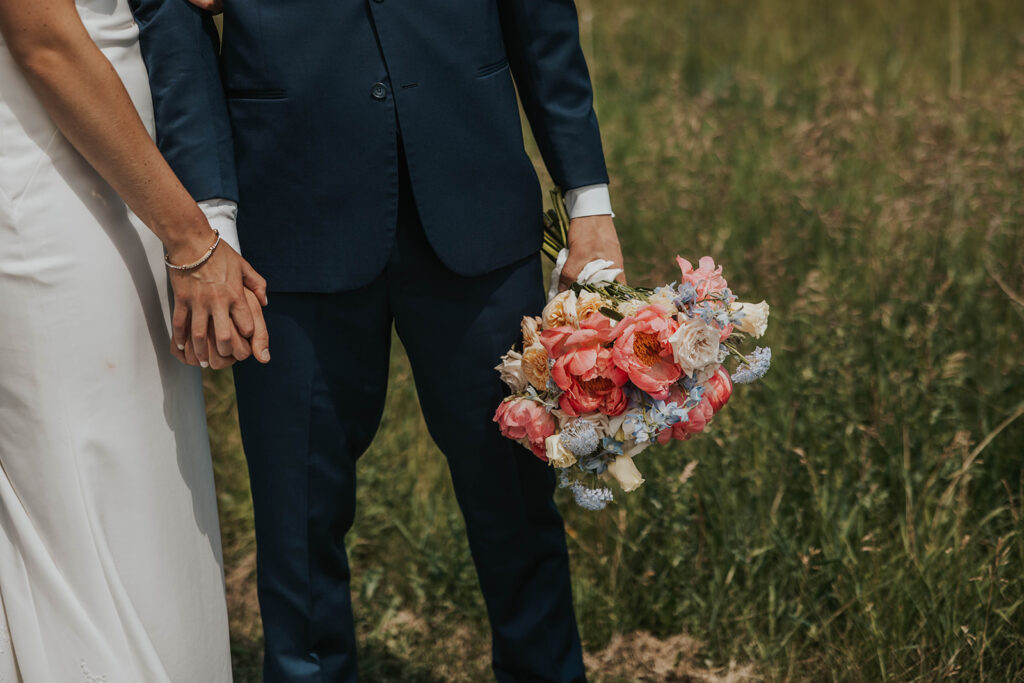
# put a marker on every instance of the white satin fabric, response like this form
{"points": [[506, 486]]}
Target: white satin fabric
{"points": [[110, 559]]}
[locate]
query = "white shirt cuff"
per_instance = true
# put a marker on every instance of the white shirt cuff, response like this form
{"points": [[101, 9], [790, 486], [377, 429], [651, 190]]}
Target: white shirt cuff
{"points": [[221, 213], [590, 200]]}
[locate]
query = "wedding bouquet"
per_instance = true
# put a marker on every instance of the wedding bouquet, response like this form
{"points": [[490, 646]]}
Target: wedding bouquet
{"points": [[608, 369]]}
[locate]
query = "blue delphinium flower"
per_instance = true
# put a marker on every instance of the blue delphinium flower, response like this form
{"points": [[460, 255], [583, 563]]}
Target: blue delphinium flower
{"points": [[666, 413], [758, 362], [563, 479], [687, 295], [593, 464], [591, 499], [580, 437], [611, 446], [635, 426]]}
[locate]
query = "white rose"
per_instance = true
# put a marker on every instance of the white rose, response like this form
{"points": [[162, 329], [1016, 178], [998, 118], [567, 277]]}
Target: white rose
{"points": [[626, 473], [754, 320], [695, 345], [558, 454], [511, 370]]}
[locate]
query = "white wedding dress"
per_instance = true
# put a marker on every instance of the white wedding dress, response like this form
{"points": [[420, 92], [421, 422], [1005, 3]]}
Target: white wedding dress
{"points": [[110, 558]]}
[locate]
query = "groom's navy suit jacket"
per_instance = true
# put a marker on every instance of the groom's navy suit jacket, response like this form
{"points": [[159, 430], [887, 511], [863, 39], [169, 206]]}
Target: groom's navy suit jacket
{"points": [[301, 117]]}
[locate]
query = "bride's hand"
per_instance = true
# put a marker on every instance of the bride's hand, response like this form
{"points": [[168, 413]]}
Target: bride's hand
{"points": [[212, 309]]}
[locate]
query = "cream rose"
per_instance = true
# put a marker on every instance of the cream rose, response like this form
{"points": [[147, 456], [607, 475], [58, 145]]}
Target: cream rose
{"points": [[587, 304], [755, 318], [511, 370], [695, 345], [630, 307], [625, 472], [535, 366], [560, 311], [665, 298], [558, 454]]}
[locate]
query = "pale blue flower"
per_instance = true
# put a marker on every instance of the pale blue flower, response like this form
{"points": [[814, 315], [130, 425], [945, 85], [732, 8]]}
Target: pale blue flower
{"points": [[687, 295], [756, 366], [591, 499], [563, 479], [665, 414]]}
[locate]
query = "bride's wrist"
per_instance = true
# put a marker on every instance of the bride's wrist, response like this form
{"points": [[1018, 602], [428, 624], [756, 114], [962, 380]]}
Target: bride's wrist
{"points": [[189, 243]]}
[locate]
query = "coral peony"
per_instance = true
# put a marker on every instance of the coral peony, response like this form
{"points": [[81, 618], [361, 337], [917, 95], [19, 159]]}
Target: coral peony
{"points": [[643, 351], [584, 369]]}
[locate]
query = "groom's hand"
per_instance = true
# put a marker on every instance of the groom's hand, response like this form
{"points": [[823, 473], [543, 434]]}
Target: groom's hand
{"points": [[590, 237]]}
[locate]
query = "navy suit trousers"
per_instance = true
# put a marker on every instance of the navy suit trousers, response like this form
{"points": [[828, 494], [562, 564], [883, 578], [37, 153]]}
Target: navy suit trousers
{"points": [[309, 415]]}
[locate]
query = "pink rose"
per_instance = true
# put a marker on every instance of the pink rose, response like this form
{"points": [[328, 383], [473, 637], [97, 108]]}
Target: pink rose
{"points": [[526, 421], [707, 280]]}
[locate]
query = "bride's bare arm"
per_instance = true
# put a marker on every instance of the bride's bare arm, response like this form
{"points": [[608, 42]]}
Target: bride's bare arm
{"points": [[89, 104]]}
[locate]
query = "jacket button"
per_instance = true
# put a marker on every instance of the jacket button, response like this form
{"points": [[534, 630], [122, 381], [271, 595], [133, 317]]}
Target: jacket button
{"points": [[379, 91]]}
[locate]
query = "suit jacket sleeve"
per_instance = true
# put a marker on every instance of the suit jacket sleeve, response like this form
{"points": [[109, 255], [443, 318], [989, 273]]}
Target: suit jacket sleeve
{"points": [[180, 47], [543, 45]]}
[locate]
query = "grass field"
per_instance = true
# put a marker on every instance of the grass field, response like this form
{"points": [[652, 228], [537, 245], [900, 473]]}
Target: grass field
{"points": [[856, 516]]}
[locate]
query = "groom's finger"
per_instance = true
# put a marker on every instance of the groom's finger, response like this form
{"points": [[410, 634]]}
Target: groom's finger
{"points": [[254, 282], [240, 348], [260, 337], [241, 314], [222, 332], [190, 354], [217, 361]]}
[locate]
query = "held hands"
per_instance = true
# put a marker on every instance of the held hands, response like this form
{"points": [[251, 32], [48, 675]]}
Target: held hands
{"points": [[590, 238], [218, 315]]}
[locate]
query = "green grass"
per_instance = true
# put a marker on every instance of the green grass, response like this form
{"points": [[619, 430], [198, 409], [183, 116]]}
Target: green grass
{"points": [[856, 516]]}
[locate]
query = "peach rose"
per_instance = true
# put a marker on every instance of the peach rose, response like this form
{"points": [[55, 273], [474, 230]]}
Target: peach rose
{"points": [[531, 331], [535, 366]]}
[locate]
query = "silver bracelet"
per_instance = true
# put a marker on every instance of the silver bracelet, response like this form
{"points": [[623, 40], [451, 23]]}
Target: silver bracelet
{"points": [[204, 259]]}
